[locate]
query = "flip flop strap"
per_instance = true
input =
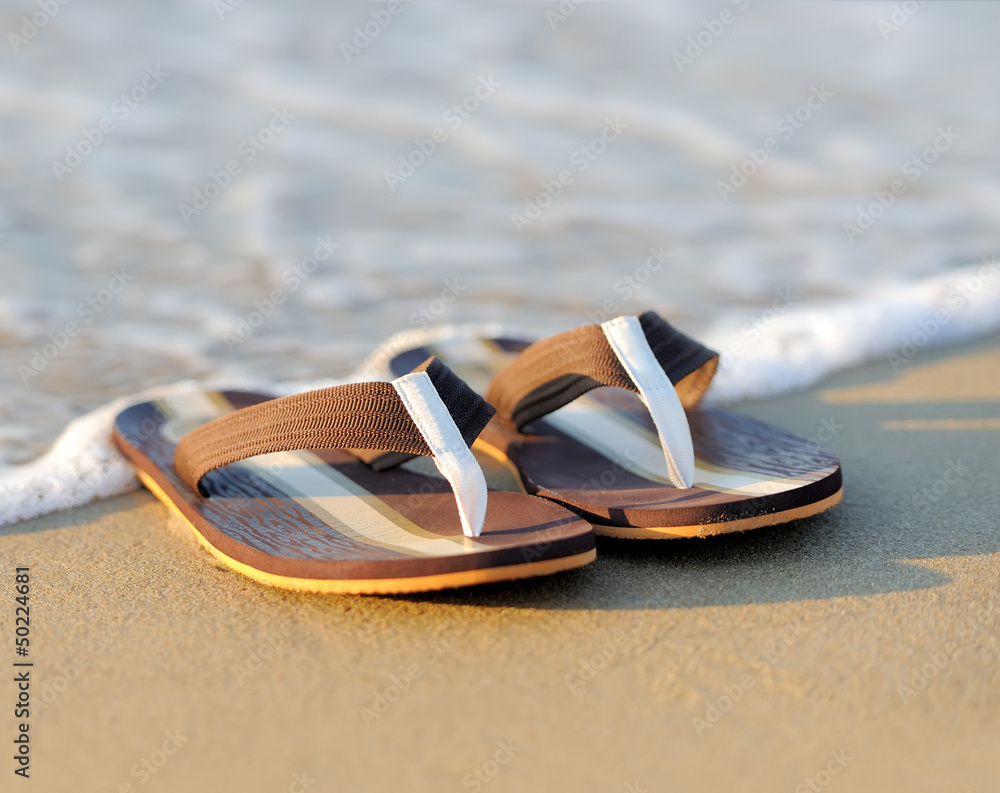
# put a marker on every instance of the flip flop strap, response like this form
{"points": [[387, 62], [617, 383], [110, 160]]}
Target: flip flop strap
{"points": [[673, 372], [430, 412]]}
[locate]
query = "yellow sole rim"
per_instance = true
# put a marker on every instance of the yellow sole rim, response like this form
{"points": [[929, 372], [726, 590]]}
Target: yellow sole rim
{"points": [[712, 529], [380, 586]]}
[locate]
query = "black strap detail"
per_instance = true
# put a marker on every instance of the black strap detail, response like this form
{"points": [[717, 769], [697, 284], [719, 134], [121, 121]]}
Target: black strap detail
{"points": [[469, 410]]}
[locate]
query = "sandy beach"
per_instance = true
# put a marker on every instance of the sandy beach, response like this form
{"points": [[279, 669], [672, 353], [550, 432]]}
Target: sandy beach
{"points": [[254, 195], [857, 650]]}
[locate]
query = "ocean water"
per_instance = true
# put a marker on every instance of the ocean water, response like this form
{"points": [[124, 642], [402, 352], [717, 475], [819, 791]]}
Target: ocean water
{"points": [[261, 193]]}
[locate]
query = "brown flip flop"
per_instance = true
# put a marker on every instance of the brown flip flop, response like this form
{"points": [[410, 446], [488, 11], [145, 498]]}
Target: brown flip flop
{"points": [[605, 420], [363, 488]]}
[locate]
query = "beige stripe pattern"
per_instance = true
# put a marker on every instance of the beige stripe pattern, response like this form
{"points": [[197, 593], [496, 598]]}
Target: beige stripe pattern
{"points": [[331, 497]]}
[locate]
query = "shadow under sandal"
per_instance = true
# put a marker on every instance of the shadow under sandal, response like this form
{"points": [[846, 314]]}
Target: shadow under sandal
{"points": [[363, 488], [605, 420]]}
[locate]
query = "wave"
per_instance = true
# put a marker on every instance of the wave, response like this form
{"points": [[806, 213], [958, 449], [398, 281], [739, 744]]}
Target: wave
{"points": [[787, 346]]}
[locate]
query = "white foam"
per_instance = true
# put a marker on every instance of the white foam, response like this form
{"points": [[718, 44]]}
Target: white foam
{"points": [[806, 343], [764, 356], [82, 465]]}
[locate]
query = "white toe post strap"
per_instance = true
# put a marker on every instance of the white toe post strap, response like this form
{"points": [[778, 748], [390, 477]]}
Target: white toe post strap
{"points": [[451, 454], [628, 341]]}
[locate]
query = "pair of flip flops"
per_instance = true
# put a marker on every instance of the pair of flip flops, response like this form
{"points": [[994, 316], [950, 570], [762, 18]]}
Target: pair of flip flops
{"points": [[420, 483]]}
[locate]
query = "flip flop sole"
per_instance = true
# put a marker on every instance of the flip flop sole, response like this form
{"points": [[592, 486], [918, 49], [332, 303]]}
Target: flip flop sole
{"points": [[715, 529], [379, 586], [322, 521], [601, 462]]}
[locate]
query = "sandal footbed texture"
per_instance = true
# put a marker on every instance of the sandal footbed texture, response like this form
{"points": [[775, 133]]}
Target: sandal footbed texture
{"points": [[323, 520]]}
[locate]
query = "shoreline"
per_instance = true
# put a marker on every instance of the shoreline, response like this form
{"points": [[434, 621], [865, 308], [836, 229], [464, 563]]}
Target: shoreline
{"points": [[864, 636]]}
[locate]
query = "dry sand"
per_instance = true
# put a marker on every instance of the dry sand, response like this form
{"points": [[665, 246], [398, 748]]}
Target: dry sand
{"points": [[858, 649]]}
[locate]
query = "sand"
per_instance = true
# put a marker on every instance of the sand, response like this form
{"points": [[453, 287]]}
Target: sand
{"points": [[853, 651]]}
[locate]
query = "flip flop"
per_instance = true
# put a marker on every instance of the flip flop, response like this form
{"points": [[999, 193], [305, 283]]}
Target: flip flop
{"points": [[332, 490], [605, 420]]}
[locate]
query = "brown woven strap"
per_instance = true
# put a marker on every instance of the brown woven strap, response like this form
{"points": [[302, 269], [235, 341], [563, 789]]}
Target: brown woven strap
{"points": [[555, 371], [368, 419]]}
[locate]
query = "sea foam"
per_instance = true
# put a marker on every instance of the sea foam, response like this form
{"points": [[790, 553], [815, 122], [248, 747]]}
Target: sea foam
{"points": [[783, 348]]}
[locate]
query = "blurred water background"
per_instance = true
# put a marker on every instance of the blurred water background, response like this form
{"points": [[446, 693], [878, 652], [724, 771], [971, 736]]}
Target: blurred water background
{"points": [[166, 169]]}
